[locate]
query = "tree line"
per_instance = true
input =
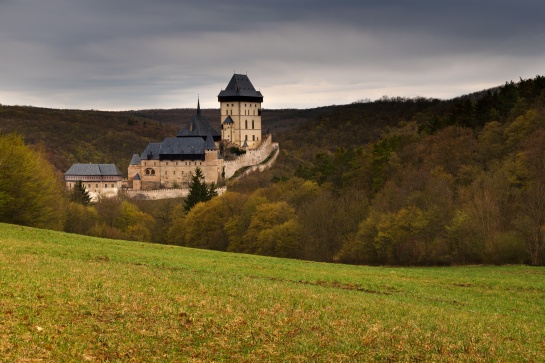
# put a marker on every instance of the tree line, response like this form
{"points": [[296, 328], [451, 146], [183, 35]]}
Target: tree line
{"points": [[390, 182]]}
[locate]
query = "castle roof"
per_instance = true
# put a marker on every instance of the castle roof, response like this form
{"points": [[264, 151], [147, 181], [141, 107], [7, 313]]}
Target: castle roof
{"points": [[151, 152], [135, 160], [93, 170], [198, 125], [137, 177], [209, 144], [240, 89], [192, 141], [228, 120]]}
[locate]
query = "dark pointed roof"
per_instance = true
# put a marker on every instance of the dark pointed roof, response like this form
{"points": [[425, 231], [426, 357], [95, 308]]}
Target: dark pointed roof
{"points": [[240, 89], [137, 177], [135, 160], [228, 120], [210, 145], [198, 125]]}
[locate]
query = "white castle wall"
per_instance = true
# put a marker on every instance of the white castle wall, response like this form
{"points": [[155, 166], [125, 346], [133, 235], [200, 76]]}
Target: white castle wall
{"points": [[164, 193], [251, 158]]}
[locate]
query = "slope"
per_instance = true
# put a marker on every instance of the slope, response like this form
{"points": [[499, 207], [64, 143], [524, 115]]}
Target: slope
{"points": [[65, 297]]}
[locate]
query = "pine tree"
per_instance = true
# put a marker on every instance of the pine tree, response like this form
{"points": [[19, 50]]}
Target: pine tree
{"points": [[80, 194], [198, 190]]}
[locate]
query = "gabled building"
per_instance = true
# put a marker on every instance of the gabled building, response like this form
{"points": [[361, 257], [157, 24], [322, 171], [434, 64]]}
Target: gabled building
{"points": [[240, 108], [98, 179], [170, 163]]}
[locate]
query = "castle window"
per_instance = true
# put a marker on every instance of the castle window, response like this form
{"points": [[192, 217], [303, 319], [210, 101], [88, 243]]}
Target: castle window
{"points": [[105, 185], [252, 124], [96, 185], [112, 185], [88, 185], [246, 124], [253, 137]]}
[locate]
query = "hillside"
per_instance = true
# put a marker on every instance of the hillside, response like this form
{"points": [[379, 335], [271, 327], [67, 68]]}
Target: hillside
{"points": [[90, 136], [396, 181], [65, 297]]}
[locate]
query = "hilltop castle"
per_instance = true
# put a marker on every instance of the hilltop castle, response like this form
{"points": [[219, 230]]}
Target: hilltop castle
{"points": [[170, 163], [164, 169]]}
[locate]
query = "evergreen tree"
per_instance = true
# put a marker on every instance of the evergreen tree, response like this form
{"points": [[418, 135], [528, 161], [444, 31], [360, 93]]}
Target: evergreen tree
{"points": [[80, 194], [198, 190]]}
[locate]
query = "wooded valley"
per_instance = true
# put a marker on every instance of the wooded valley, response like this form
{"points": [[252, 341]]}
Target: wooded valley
{"points": [[392, 182]]}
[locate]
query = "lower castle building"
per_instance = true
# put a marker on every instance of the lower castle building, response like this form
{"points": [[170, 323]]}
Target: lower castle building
{"points": [[171, 163], [97, 179]]}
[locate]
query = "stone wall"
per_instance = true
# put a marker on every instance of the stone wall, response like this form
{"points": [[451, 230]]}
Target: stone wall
{"points": [[263, 166], [251, 158], [163, 193]]}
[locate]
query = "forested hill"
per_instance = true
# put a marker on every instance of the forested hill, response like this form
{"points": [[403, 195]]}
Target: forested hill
{"points": [[89, 136], [395, 181]]}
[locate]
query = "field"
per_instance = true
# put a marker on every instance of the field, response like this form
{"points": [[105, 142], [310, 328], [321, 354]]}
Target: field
{"points": [[69, 298]]}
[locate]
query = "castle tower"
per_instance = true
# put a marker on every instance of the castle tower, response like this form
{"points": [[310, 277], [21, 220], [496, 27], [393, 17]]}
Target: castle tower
{"points": [[240, 107]]}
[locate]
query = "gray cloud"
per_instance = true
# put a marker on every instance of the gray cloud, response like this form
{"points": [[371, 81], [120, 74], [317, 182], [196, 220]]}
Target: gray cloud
{"points": [[119, 54]]}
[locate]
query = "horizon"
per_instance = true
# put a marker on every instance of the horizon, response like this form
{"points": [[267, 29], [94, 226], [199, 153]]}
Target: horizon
{"points": [[131, 55]]}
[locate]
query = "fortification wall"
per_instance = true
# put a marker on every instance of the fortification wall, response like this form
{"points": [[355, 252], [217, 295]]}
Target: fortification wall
{"points": [[163, 193], [263, 166], [252, 157]]}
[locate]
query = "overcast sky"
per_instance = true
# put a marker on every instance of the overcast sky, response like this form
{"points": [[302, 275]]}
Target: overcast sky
{"points": [[137, 54]]}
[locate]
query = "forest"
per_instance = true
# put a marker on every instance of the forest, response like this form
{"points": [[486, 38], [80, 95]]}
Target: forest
{"points": [[396, 181]]}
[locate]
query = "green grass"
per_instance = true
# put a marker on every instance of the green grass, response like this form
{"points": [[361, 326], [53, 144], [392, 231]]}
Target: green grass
{"points": [[70, 298]]}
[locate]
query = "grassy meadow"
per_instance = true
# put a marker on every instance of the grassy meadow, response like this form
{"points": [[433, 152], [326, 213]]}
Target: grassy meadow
{"points": [[70, 298]]}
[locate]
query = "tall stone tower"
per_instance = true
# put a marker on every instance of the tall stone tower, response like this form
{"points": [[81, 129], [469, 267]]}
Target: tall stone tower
{"points": [[240, 107]]}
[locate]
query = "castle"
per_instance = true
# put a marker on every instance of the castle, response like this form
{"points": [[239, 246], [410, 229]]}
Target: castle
{"points": [[164, 169], [170, 163]]}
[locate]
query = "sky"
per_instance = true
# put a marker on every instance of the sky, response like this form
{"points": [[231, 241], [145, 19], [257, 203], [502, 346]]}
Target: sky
{"points": [[144, 54]]}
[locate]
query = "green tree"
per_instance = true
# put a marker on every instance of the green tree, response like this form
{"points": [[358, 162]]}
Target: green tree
{"points": [[80, 194], [30, 193], [198, 190], [204, 225]]}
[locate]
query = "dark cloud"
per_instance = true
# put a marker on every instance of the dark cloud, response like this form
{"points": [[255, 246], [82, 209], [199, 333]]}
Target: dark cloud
{"points": [[138, 53]]}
